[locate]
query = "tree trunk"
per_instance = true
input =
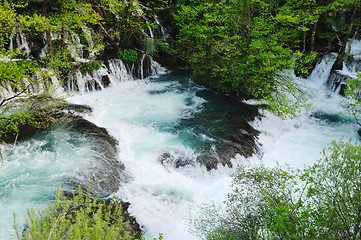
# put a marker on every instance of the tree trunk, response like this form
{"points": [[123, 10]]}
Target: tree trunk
{"points": [[48, 33], [342, 54], [352, 39], [313, 36]]}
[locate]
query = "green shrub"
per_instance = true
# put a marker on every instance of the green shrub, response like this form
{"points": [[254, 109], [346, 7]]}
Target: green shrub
{"points": [[350, 58], [320, 202], [79, 218], [14, 72], [89, 67], [128, 55]]}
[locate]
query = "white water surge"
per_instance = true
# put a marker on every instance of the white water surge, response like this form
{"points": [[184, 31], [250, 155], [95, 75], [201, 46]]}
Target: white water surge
{"points": [[142, 115], [150, 119], [298, 142]]}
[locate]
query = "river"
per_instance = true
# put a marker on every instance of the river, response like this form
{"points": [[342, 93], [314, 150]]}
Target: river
{"points": [[160, 127]]}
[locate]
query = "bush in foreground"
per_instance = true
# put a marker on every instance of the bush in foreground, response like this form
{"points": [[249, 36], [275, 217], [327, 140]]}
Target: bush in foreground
{"points": [[321, 202], [77, 218]]}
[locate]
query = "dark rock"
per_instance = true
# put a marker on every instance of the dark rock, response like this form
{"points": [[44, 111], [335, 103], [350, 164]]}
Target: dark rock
{"points": [[208, 161], [337, 82], [142, 68], [105, 174], [168, 159], [42, 108], [92, 85], [171, 62], [110, 52], [133, 227], [105, 81]]}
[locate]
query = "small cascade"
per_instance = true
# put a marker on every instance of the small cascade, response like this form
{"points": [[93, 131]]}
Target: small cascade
{"points": [[20, 43], [338, 79], [143, 69], [337, 82], [75, 46], [156, 68], [42, 81], [110, 72], [89, 33], [118, 71], [160, 27]]}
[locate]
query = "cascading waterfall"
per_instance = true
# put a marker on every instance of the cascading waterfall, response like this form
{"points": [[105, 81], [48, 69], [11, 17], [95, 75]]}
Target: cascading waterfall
{"points": [[20, 43], [337, 80], [142, 115], [299, 141]]}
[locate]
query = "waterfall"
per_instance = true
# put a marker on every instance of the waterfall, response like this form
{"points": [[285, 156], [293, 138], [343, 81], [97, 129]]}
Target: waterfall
{"points": [[338, 79], [299, 141], [21, 42]]}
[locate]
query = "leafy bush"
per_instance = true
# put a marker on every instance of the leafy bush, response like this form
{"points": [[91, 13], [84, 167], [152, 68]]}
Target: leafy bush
{"points": [[128, 55], [89, 67], [79, 218], [14, 72], [60, 62], [321, 202]]}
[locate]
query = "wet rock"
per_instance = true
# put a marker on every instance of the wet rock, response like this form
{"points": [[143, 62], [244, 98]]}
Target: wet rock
{"points": [[168, 159], [92, 85], [208, 161], [337, 82], [105, 173], [55, 111], [134, 227], [226, 123], [105, 81]]}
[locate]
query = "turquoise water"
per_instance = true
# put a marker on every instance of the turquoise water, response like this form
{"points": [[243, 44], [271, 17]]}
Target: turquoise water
{"points": [[32, 170]]}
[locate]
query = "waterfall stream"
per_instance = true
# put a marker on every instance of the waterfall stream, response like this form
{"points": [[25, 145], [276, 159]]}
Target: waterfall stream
{"points": [[162, 125]]}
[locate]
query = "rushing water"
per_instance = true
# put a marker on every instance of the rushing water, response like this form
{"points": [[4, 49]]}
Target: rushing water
{"points": [[161, 123], [298, 142]]}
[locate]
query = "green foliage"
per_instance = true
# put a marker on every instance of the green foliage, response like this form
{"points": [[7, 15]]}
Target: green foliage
{"points": [[350, 58], [79, 218], [128, 55], [335, 191], [23, 112], [352, 97], [306, 63], [89, 67], [60, 62], [239, 47], [14, 72], [321, 202]]}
